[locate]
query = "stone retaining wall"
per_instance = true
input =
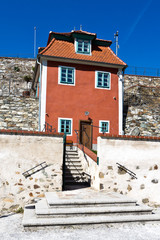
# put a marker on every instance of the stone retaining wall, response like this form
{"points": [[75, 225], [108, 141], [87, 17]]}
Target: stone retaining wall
{"points": [[16, 75], [19, 113], [142, 105], [141, 99]]}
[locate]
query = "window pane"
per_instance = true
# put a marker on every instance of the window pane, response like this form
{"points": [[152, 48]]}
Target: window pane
{"points": [[105, 84], [70, 75], [79, 49], [99, 84], [63, 79], [70, 71], [86, 46]]}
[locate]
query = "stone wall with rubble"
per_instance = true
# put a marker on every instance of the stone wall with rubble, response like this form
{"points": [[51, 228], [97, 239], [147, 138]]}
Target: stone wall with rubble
{"points": [[142, 105], [16, 75], [21, 152], [20, 113], [17, 110]]}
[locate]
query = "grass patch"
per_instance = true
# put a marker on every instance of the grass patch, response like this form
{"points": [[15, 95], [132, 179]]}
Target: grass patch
{"points": [[94, 151], [20, 210]]}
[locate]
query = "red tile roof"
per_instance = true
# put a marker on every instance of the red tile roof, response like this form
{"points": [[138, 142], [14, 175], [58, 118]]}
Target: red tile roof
{"points": [[66, 49]]}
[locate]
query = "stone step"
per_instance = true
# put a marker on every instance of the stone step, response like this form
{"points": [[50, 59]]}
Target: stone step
{"points": [[73, 168], [72, 153], [72, 161], [72, 158], [73, 164], [73, 149], [69, 201], [42, 210], [71, 177], [69, 174], [30, 219], [75, 181]]}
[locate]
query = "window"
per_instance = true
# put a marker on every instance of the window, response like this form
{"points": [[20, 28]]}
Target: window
{"points": [[102, 80], [83, 46], [65, 126], [104, 126], [66, 75]]}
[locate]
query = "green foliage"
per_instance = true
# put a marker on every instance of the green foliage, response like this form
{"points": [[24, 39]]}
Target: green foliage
{"points": [[94, 151], [33, 69], [20, 210], [16, 69], [27, 78]]}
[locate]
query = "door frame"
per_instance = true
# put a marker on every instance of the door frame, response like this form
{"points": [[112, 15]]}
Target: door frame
{"points": [[89, 122]]}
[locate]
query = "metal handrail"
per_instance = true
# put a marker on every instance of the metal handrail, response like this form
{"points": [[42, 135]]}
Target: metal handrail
{"points": [[27, 174], [121, 167], [49, 128], [78, 143]]}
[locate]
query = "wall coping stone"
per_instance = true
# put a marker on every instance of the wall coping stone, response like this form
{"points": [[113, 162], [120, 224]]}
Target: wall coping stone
{"points": [[91, 154], [27, 59], [147, 76], [129, 137], [30, 133]]}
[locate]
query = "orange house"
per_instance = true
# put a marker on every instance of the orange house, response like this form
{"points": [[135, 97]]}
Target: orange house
{"points": [[79, 80]]}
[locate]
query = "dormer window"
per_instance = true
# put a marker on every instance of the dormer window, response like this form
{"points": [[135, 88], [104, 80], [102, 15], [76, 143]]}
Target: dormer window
{"points": [[83, 46]]}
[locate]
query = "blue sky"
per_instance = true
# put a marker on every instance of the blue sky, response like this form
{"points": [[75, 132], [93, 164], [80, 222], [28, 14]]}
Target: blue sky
{"points": [[138, 23]]}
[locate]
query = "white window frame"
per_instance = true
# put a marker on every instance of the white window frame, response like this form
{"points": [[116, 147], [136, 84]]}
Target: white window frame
{"points": [[106, 121], [96, 80], [59, 124], [84, 53], [59, 76]]}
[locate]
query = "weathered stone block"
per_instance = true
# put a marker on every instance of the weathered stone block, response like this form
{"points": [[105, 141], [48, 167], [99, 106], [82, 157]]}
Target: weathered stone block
{"points": [[142, 186], [101, 175], [36, 186], [154, 180], [110, 168], [129, 188], [145, 200]]}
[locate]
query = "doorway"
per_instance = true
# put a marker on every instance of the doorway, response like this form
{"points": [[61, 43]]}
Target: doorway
{"points": [[86, 133]]}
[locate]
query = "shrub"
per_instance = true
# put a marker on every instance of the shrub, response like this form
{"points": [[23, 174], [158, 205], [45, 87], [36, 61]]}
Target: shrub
{"points": [[27, 78], [16, 69]]}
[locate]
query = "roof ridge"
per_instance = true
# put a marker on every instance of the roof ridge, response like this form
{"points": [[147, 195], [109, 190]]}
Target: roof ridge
{"points": [[48, 46]]}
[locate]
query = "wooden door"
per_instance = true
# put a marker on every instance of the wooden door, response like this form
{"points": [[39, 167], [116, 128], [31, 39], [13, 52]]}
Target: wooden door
{"points": [[86, 133]]}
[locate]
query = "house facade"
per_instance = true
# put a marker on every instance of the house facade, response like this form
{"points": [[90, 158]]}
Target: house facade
{"points": [[79, 81]]}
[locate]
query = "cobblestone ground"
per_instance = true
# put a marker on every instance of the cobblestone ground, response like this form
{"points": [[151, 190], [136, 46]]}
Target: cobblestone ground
{"points": [[11, 228]]}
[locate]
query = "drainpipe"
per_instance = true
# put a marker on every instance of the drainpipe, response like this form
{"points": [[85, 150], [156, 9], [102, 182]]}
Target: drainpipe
{"points": [[39, 121], [120, 86]]}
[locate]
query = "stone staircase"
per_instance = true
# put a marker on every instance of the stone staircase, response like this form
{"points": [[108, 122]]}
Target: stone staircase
{"points": [[87, 207], [74, 174]]}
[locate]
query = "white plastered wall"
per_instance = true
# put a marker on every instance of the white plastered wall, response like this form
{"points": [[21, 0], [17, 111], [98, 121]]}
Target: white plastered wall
{"points": [[139, 156]]}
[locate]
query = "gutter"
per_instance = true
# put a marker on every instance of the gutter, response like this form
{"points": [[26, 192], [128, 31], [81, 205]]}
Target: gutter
{"points": [[84, 62]]}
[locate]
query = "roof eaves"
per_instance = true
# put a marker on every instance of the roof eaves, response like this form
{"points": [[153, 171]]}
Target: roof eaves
{"points": [[81, 61]]}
